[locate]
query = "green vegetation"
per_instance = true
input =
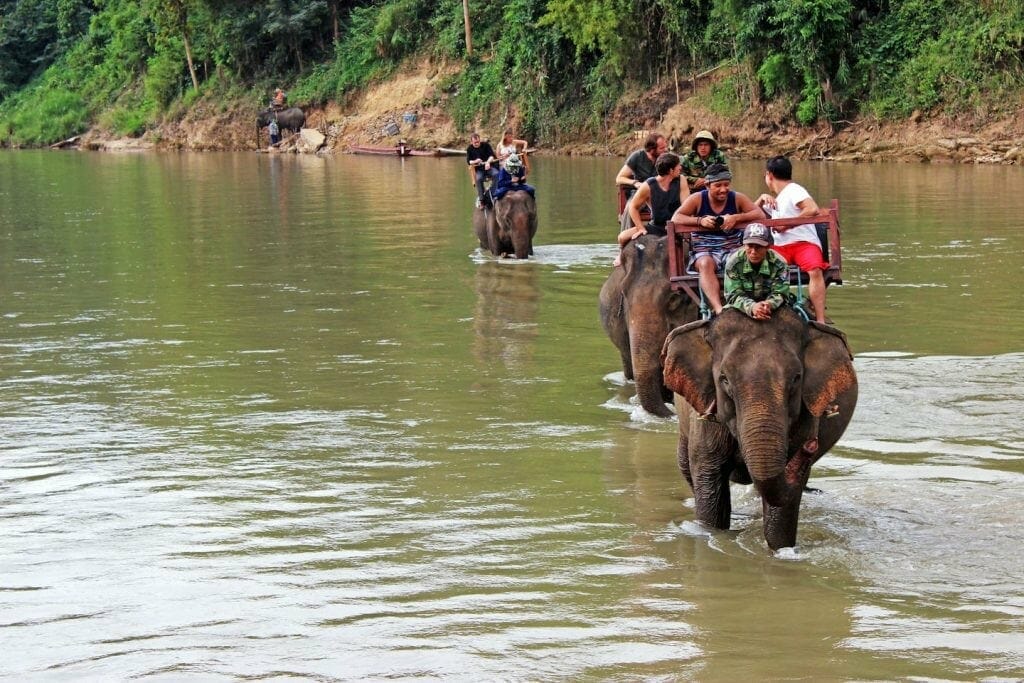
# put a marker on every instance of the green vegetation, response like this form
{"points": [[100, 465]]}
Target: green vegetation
{"points": [[558, 66]]}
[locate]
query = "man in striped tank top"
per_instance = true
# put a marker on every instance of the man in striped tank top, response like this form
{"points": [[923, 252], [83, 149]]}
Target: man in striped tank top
{"points": [[717, 211]]}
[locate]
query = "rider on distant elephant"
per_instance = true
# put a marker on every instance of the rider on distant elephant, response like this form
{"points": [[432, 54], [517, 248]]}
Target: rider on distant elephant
{"points": [[280, 100], [511, 176]]}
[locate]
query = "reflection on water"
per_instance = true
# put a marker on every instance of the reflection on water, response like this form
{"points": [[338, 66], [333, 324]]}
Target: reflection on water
{"points": [[278, 416]]}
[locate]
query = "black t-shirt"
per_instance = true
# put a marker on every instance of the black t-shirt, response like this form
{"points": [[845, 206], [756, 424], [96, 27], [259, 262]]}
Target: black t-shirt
{"points": [[483, 152]]}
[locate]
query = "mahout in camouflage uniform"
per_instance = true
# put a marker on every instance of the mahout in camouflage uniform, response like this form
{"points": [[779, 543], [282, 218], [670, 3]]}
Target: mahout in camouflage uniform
{"points": [[704, 153], [756, 277]]}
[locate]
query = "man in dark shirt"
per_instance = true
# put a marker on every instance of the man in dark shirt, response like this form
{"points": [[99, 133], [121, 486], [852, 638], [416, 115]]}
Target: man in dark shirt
{"points": [[639, 167], [482, 162]]}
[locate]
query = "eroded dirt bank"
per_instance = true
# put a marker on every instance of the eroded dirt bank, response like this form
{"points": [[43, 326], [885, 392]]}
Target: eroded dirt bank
{"points": [[372, 117]]}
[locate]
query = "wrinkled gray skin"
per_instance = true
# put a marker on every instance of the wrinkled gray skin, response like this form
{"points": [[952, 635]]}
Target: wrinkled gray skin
{"points": [[772, 383], [638, 310], [485, 225], [508, 228], [287, 119]]}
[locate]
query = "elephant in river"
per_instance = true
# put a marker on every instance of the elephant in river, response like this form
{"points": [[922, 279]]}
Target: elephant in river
{"points": [[760, 401], [292, 119], [509, 226], [638, 309]]}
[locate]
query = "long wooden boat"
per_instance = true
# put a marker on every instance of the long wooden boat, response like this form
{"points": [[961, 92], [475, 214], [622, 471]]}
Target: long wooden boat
{"points": [[401, 150]]}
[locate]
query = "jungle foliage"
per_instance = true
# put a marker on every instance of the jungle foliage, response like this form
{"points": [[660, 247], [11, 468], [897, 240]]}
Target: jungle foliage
{"points": [[559, 66]]}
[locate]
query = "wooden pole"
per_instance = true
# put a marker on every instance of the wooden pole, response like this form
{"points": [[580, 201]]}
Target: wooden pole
{"points": [[469, 32]]}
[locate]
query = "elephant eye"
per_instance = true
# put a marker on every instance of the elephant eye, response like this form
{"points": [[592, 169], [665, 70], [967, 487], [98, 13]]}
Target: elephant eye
{"points": [[724, 381]]}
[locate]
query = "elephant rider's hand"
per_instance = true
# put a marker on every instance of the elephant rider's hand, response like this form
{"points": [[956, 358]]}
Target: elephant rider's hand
{"points": [[762, 310], [766, 201], [641, 230], [729, 221]]}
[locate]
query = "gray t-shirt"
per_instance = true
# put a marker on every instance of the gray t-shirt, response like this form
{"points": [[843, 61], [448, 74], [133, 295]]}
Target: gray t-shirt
{"points": [[641, 165]]}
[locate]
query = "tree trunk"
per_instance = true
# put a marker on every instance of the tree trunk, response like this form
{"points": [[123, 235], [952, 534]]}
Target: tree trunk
{"points": [[469, 32], [188, 58]]}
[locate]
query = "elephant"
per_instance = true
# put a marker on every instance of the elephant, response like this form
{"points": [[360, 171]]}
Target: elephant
{"points": [[759, 401], [509, 226], [292, 119], [638, 309]]}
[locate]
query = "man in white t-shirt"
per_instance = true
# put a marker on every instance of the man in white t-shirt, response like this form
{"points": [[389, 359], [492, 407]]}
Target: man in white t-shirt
{"points": [[800, 244]]}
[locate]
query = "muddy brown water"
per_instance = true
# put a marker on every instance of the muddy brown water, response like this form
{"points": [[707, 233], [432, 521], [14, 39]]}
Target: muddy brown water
{"points": [[276, 417]]}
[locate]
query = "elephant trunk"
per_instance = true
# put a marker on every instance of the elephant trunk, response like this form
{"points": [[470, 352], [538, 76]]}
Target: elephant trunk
{"points": [[645, 346], [763, 445]]}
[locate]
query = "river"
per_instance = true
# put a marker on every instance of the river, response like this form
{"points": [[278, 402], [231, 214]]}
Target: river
{"points": [[272, 417]]}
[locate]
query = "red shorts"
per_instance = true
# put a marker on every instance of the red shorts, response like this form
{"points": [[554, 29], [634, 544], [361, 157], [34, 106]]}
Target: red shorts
{"points": [[807, 255]]}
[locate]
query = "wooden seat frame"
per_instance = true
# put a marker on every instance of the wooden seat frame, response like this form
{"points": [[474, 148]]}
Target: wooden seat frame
{"points": [[624, 197], [826, 221]]}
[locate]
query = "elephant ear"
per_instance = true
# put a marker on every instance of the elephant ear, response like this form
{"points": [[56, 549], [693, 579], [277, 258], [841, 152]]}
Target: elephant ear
{"points": [[828, 367], [686, 357]]}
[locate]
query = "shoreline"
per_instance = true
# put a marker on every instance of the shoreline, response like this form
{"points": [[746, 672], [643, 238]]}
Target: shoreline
{"points": [[843, 147], [410, 107]]}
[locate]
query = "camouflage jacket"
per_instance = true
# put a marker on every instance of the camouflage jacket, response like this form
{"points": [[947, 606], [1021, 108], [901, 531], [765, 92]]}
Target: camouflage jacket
{"points": [[745, 286], [694, 167]]}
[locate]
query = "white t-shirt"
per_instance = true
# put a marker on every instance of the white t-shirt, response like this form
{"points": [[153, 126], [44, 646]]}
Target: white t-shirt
{"points": [[786, 207]]}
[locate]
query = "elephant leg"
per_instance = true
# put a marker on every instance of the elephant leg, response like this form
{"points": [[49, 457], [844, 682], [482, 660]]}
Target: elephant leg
{"points": [[711, 449], [683, 410], [627, 362], [493, 238]]}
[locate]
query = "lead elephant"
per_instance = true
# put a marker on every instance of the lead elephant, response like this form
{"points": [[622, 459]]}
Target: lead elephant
{"points": [[761, 401], [638, 309], [509, 226], [292, 119]]}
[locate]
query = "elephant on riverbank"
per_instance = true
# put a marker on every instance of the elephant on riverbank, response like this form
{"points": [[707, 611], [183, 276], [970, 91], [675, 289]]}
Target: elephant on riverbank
{"points": [[760, 401], [292, 119], [507, 228], [638, 309]]}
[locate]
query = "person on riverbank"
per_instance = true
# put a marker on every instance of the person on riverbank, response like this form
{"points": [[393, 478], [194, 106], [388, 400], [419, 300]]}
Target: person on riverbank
{"points": [[716, 211], [482, 163], [663, 192], [275, 132], [639, 167], [798, 245], [756, 277], [703, 153]]}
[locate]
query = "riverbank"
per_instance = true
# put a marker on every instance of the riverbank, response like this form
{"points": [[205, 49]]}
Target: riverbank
{"points": [[410, 106]]}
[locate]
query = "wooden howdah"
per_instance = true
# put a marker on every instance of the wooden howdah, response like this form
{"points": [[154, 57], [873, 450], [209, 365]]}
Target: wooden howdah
{"points": [[826, 221]]}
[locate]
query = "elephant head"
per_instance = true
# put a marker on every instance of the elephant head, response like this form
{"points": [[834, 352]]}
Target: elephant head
{"points": [[638, 309], [515, 224], [764, 400]]}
